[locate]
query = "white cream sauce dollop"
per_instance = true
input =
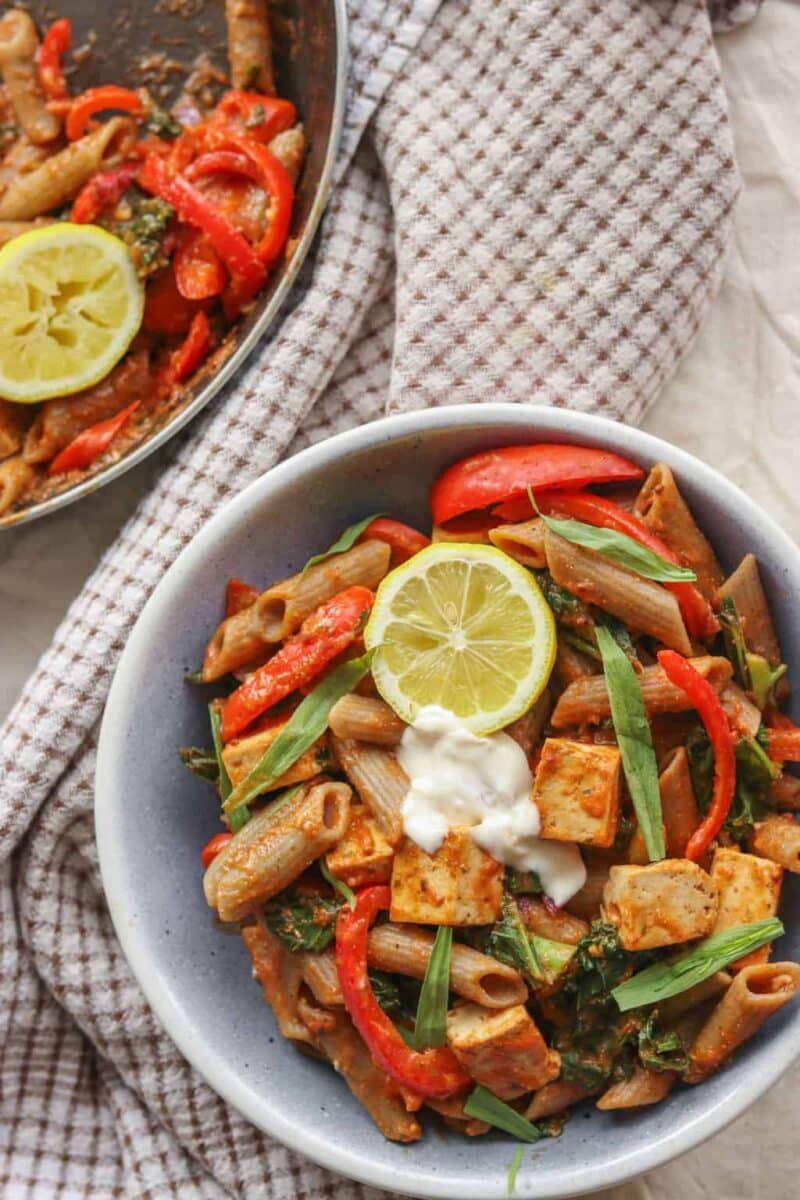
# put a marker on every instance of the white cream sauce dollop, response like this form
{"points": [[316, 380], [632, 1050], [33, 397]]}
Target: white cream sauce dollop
{"points": [[458, 779]]}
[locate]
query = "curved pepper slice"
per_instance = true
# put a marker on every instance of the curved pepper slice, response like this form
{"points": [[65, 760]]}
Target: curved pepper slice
{"points": [[680, 671], [55, 43], [494, 476], [404, 541], [90, 443], [102, 191], [212, 848], [432, 1073], [199, 272], [99, 99], [262, 116], [191, 352]]}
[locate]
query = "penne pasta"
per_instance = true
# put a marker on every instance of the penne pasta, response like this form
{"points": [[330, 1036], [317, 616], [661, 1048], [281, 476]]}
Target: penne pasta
{"points": [[250, 45], [19, 44], [280, 977], [586, 702], [784, 793], [694, 998], [378, 779], [290, 149], [527, 729], [663, 509], [742, 714], [14, 419], [570, 664], [643, 1086], [16, 477], [554, 1097], [452, 1110], [744, 587], [524, 542], [273, 848], [778, 838], [242, 755], [21, 158], [405, 949], [321, 976], [60, 177], [586, 903], [365, 719], [281, 610], [12, 229], [643, 605], [755, 993], [678, 803]]}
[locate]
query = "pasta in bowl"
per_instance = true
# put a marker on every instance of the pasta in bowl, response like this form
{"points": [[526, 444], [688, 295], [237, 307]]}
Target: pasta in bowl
{"points": [[520, 969]]}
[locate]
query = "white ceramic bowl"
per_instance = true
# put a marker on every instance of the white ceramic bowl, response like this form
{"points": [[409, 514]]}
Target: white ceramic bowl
{"points": [[152, 816]]}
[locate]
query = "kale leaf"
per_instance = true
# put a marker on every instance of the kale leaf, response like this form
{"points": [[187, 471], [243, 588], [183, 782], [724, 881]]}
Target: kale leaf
{"points": [[661, 1049], [303, 922], [201, 762]]}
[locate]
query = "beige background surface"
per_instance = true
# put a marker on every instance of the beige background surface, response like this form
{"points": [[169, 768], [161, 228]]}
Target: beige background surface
{"points": [[735, 403]]}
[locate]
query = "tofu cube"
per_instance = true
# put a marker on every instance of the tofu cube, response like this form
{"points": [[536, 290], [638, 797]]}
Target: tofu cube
{"points": [[501, 1049], [363, 855], [661, 904], [749, 890], [577, 792], [458, 885]]}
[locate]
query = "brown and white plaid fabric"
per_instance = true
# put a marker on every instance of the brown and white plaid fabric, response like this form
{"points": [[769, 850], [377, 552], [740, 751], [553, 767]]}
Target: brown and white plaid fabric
{"points": [[533, 202]]}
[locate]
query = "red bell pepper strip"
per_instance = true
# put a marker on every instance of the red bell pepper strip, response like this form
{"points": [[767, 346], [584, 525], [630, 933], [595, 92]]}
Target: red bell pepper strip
{"points": [[323, 635], [277, 182], [90, 443], [597, 510], [682, 674], [221, 162], [238, 596], [211, 849], [101, 192], [783, 742], [192, 351], [430, 1073], [260, 116], [99, 99], [55, 43], [165, 309], [196, 209], [489, 478], [199, 272], [404, 541]]}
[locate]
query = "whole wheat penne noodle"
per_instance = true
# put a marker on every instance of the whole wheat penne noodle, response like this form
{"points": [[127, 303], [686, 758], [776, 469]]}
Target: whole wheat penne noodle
{"points": [[21, 158], [57, 422], [379, 780], [19, 44], [669, 732], [663, 509], [290, 148], [11, 229], [585, 702], [527, 729], [405, 949], [755, 993], [321, 976], [694, 997], [559, 926], [678, 803], [743, 716], [777, 837], [570, 664], [62, 175], [250, 45], [636, 850], [452, 1110], [16, 478], [14, 419], [586, 903], [784, 793], [280, 976], [644, 1086], [524, 542], [640, 603], [272, 849], [380, 1095], [242, 755], [475, 534], [365, 719], [554, 1097], [281, 609], [744, 587]]}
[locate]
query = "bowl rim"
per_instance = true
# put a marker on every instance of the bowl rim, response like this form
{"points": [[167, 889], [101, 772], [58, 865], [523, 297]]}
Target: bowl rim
{"points": [[307, 1140], [248, 343]]}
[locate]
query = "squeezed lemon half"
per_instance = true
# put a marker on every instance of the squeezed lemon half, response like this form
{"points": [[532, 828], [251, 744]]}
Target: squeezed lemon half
{"points": [[464, 627], [70, 305]]}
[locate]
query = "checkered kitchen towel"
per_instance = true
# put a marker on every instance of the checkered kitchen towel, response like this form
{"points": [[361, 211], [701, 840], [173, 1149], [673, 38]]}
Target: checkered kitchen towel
{"points": [[533, 203]]}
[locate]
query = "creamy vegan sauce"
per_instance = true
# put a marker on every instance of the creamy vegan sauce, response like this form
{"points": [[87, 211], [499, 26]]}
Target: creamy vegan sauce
{"points": [[459, 779]]}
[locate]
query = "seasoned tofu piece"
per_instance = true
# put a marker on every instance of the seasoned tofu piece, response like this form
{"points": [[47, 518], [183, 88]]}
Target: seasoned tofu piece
{"points": [[749, 890], [501, 1049], [577, 790], [458, 885], [661, 904], [363, 855]]}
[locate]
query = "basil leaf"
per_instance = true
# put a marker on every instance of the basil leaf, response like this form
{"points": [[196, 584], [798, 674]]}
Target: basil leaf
{"points": [[345, 541], [338, 885], [513, 1169], [242, 814], [635, 742], [430, 1027], [733, 639], [202, 763], [484, 1106], [306, 724], [713, 954]]}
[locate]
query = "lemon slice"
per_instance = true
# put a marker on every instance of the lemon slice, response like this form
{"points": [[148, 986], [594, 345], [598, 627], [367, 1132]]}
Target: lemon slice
{"points": [[70, 305], [464, 627]]}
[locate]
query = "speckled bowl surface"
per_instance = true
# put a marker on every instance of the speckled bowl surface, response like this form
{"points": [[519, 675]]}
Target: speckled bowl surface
{"points": [[153, 816]]}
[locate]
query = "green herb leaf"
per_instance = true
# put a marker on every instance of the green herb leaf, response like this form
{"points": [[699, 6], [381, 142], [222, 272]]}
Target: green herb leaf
{"points": [[755, 771], [484, 1106], [763, 678], [620, 634], [665, 979], [242, 814], [733, 639], [523, 883], [661, 1049], [202, 763], [635, 742], [514, 1168], [306, 724], [338, 885], [302, 922], [430, 1027], [508, 941], [194, 676], [162, 124], [700, 753], [345, 541]]}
